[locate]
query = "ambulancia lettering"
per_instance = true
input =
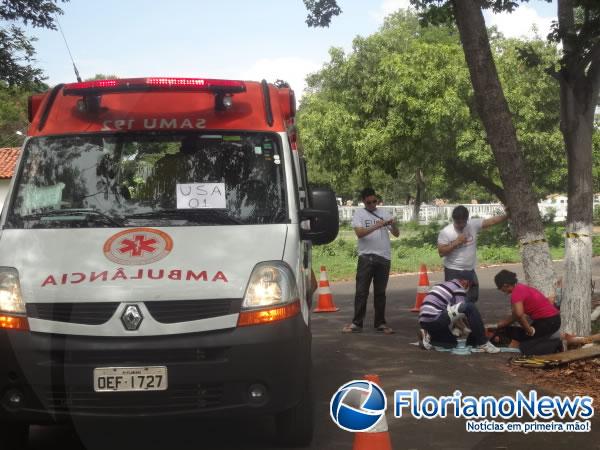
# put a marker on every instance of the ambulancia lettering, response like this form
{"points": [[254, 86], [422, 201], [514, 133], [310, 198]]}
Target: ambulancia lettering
{"points": [[126, 275]]}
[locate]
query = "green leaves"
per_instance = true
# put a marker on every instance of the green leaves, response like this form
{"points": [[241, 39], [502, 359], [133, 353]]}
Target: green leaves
{"points": [[16, 49], [38, 13], [403, 100], [321, 12], [399, 90], [13, 113]]}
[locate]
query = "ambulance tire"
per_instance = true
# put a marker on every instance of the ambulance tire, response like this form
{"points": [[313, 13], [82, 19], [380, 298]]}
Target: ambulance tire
{"points": [[295, 425], [14, 436]]}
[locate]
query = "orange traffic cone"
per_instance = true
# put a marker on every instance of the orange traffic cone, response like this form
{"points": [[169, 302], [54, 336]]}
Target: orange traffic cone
{"points": [[422, 288], [377, 438], [325, 301]]}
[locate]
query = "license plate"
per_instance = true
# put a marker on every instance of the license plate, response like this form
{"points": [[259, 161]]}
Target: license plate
{"points": [[129, 379]]}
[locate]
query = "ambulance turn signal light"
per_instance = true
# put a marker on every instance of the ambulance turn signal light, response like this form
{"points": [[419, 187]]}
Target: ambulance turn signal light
{"points": [[13, 322], [263, 316], [168, 84]]}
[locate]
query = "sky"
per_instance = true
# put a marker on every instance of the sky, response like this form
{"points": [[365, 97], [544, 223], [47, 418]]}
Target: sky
{"points": [[231, 39]]}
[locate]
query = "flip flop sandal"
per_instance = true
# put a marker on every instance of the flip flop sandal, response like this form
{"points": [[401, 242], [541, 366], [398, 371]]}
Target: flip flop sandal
{"points": [[384, 329]]}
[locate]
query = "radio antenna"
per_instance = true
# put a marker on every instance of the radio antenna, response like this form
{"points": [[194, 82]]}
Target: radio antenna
{"points": [[69, 50]]}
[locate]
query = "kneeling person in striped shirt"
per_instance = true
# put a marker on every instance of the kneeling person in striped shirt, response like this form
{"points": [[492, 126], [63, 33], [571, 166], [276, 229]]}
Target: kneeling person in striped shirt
{"points": [[444, 305]]}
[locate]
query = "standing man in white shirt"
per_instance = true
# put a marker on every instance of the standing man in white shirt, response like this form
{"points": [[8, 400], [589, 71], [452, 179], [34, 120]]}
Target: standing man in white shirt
{"points": [[457, 244], [372, 227]]}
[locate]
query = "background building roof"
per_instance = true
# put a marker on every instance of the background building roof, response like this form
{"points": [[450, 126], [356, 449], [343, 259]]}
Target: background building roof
{"points": [[8, 160]]}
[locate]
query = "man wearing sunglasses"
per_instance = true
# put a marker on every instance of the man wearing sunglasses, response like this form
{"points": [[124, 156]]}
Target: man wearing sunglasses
{"points": [[372, 227]]}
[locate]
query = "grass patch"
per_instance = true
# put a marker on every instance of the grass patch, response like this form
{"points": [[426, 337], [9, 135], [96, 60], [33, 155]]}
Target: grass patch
{"points": [[409, 259], [418, 245], [338, 256], [497, 255]]}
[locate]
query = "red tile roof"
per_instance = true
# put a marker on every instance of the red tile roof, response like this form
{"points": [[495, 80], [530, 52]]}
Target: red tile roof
{"points": [[8, 159]]}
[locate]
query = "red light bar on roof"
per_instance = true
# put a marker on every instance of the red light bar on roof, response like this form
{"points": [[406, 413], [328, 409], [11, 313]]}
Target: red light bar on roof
{"points": [[99, 87]]}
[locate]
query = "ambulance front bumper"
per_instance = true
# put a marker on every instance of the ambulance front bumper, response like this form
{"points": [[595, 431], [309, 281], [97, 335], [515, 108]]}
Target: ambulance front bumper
{"points": [[212, 373]]}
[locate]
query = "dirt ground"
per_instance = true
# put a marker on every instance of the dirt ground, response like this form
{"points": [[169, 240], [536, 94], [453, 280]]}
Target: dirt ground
{"points": [[576, 378]]}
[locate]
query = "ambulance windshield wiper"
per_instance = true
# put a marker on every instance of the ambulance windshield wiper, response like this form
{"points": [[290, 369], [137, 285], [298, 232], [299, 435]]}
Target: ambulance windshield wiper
{"points": [[204, 215], [87, 213]]}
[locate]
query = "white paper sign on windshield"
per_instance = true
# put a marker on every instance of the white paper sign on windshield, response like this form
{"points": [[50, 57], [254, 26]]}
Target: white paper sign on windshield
{"points": [[201, 196]]}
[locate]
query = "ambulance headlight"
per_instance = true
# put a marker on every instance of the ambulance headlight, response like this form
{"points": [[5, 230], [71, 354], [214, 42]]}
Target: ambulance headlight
{"points": [[271, 283], [11, 301]]}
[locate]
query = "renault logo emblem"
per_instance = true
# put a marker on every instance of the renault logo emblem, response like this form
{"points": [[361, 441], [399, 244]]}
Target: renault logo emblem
{"points": [[132, 317]]}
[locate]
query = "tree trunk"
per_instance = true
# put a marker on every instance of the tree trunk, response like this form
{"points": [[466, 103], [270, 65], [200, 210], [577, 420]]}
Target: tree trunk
{"points": [[501, 134], [579, 95], [576, 308], [420, 182]]}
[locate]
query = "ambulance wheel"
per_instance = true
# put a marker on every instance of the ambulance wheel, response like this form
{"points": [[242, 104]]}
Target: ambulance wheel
{"points": [[295, 425], [14, 436]]}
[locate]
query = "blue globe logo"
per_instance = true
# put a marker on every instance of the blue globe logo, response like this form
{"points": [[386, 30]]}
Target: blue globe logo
{"points": [[358, 405]]}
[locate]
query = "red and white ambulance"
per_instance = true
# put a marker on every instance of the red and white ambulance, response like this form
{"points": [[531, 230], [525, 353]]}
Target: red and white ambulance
{"points": [[155, 256]]}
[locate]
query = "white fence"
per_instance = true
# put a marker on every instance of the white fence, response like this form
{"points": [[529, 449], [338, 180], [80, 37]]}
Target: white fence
{"points": [[428, 213]]}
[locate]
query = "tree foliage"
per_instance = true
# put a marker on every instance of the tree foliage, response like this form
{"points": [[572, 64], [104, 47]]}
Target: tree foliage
{"points": [[13, 116], [321, 12], [16, 48], [581, 37], [402, 101], [102, 76], [13, 112], [13, 109]]}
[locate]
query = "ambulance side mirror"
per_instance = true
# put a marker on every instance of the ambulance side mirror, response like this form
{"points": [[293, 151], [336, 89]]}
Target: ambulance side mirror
{"points": [[323, 216]]}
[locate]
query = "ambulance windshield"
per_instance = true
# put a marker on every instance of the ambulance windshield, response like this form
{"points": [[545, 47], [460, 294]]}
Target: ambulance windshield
{"points": [[150, 180]]}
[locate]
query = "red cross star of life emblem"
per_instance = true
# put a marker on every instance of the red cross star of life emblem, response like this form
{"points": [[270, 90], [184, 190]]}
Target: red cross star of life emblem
{"points": [[138, 246]]}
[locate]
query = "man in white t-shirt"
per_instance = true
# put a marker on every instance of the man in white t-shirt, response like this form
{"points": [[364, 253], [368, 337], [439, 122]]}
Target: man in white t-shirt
{"points": [[457, 244], [372, 227]]}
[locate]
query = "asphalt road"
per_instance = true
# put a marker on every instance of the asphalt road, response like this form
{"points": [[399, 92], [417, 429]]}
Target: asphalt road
{"points": [[341, 358]]}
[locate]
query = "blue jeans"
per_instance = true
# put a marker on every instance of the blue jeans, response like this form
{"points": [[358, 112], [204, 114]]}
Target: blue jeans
{"points": [[373, 268], [440, 333]]}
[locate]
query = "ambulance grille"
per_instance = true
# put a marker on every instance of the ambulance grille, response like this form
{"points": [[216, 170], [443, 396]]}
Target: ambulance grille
{"points": [[81, 313], [138, 356], [176, 311], [175, 399]]}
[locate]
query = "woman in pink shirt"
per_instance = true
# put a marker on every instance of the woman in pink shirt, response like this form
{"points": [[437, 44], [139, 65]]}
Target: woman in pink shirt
{"points": [[527, 302]]}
